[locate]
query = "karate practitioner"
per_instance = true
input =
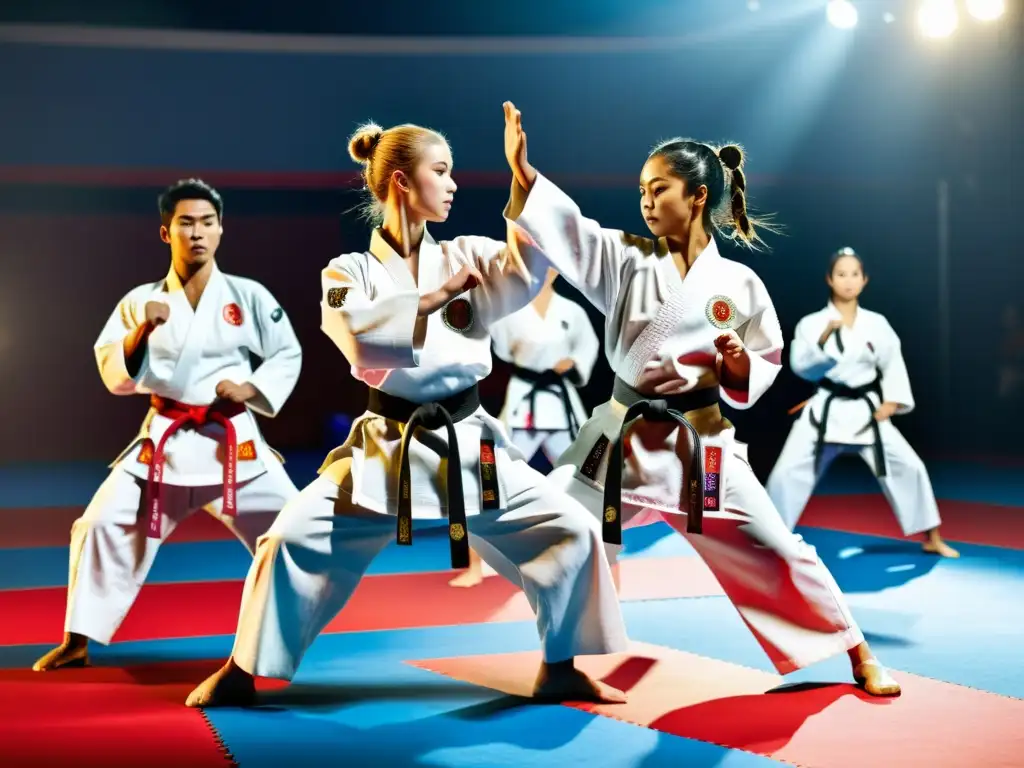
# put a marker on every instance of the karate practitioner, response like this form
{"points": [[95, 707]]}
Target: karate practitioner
{"points": [[184, 341], [685, 329], [552, 347], [411, 316], [854, 357]]}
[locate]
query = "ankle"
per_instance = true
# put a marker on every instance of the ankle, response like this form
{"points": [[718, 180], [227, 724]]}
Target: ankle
{"points": [[861, 654], [75, 640], [560, 667]]}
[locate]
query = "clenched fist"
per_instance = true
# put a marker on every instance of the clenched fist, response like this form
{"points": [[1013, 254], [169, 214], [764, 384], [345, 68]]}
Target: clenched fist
{"points": [[732, 359], [236, 393], [157, 313]]}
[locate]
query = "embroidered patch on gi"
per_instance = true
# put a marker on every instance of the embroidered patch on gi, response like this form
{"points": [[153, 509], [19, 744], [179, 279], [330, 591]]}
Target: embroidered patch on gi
{"points": [[277, 314], [457, 315], [243, 452], [565, 325], [336, 297], [146, 452], [456, 532], [233, 314], [488, 476], [721, 312]]}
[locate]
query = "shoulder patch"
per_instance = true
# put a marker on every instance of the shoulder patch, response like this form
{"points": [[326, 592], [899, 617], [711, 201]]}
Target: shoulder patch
{"points": [[277, 314], [336, 297]]}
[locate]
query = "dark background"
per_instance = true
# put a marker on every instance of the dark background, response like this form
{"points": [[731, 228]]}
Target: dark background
{"points": [[848, 136]]}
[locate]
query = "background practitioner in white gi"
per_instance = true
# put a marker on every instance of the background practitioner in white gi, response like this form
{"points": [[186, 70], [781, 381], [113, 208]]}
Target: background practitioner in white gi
{"points": [[185, 341], [854, 357], [552, 347], [687, 326], [411, 316]]}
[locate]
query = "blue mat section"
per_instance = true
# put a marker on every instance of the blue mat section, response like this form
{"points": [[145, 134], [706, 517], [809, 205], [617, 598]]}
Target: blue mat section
{"points": [[73, 483], [229, 560]]}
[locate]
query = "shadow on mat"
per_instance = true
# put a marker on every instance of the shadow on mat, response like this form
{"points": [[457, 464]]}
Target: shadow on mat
{"points": [[769, 720]]}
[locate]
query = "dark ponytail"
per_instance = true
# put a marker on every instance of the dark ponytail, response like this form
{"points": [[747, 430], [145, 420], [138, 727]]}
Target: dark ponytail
{"points": [[699, 164]]}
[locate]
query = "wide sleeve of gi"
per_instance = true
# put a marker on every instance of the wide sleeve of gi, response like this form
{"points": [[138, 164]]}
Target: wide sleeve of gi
{"points": [[109, 347], [809, 359], [895, 379], [552, 232], [279, 349], [761, 335], [371, 332]]}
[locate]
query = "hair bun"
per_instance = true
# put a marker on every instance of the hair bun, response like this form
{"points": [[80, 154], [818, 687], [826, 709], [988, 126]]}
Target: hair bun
{"points": [[361, 145], [731, 156]]}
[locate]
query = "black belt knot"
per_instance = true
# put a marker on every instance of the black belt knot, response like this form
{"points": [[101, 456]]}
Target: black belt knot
{"points": [[844, 392], [548, 381], [430, 416], [670, 408]]}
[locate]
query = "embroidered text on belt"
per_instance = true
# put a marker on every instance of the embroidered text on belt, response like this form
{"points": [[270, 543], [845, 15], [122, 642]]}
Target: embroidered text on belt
{"points": [[430, 416], [548, 381], [670, 408], [182, 415], [844, 392]]}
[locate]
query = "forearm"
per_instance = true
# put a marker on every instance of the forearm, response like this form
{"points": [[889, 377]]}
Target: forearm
{"points": [[135, 346]]}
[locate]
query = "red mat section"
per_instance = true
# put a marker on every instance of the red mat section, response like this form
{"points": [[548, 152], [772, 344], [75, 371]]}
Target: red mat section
{"points": [[51, 527], [381, 602], [964, 521], [932, 724], [116, 718]]}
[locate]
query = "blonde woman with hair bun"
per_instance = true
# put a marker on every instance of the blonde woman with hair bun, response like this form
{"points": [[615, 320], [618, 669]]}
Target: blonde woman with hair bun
{"points": [[412, 317]]}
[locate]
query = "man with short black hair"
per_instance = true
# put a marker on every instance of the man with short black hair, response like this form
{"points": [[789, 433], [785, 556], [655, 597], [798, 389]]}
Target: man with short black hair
{"points": [[184, 341]]}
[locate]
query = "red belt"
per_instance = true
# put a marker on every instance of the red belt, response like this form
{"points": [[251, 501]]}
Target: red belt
{"points": [[182, 415]]}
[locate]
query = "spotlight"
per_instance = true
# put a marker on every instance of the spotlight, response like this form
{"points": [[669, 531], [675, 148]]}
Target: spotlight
{"points": [[986, 10], [937, 18], [888, 18], [753, 5], [841, 14]]}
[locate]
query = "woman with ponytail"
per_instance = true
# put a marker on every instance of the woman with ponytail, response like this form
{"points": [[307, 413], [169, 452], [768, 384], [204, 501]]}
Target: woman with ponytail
{"points": [[687, 328]]}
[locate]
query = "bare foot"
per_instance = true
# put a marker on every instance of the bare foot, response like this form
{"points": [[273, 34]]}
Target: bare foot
{"points": [[229, 686], [940, 548], [563, 682], [468, 578], [875, 679], [73, 652]]}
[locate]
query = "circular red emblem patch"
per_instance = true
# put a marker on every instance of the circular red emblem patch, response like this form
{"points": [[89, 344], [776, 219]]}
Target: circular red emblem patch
{"points": [[233, 314], [458, 315], [721, 310]]}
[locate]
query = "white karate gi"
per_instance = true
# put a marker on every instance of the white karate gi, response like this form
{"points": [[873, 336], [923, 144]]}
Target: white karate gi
{"points": [[537, 343], [852, 357], [318, 549], [658, 322], [186, 358]]}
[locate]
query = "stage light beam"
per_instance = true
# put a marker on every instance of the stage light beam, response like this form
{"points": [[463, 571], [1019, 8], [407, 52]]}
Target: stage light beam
{"points": [[937, 18], [986, 10], [841, 14]]}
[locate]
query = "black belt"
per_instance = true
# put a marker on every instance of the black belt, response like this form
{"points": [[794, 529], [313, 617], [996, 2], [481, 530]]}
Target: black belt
{"points": [[844, 392], [430, 416], [548, 381], [669, 408]]}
